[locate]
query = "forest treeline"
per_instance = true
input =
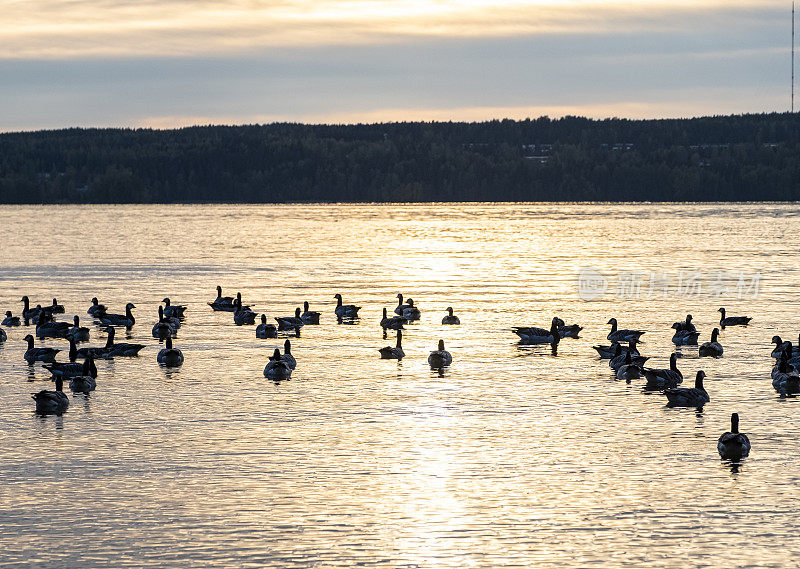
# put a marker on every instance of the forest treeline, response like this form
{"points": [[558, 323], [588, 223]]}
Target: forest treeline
{"points": [[722, 158]]}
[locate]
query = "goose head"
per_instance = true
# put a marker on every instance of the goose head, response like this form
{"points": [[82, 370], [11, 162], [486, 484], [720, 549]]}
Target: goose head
{"points": [[613, 322], [673, 362], [297, 312], [59, 383], [28, 339], [559, 321], [715, 334], [698, 380], [399, 298], [287, 347], [410, 302], [219, 291], [688, 318], [276, 355], [8, 313], [263, 318], [449, 310], [77, 321], [95, 302], [166, 302], [721, 311], [129, 306], [168, 342], [775, 340], [734, 423], [305, 306], [441, 345]]}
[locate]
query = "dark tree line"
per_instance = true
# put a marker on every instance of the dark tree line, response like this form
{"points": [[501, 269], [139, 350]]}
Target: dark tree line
{"points": [[725, 158]]}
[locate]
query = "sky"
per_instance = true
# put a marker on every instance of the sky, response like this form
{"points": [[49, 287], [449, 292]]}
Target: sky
{"points": [[173, 63]]}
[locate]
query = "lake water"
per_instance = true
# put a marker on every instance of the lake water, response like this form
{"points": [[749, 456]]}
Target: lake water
{"points": [[514, 456]]}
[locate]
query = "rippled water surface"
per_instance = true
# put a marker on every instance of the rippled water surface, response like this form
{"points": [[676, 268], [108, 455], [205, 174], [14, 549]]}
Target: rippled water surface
{"points": [[514, 456]]}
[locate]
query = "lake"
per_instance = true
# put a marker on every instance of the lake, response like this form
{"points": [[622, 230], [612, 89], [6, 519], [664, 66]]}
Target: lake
{"points": [[513, 456]]}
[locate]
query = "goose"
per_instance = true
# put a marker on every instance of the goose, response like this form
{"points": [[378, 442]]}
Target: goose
{"points": [[393, 323], [606, 352], [792, 355], [664, 378], [173, 310], [10, 320], [785, 378], [33, 354], [343, 311], [629, 370], [622, 335], [126, 319], [51, 402], [242, 315], [56, 308], [222, 303], [265, 330], [696, 396], [123, 349], [163, 328], [169, 356], [40, 315], [86, 381], [29, 313], [309, 316], [77, 332], [780, 346], [46, 328], [732, 320], [684, 337], [570, 331], [96, 309], [441, 357], [686, 325], [399, 308], [100, 352], [620, 359], [733, 445], [71, 368], [394, 352], [287, 356], [713, 348], [534, 335], [290, 322], [277, 368], [411, 312], [450, 318]]}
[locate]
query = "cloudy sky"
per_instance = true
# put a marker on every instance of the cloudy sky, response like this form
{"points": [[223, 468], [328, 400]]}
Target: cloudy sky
{"points": [[166, 63]]}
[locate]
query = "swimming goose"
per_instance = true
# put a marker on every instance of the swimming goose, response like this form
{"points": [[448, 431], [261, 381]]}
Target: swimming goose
{"points": [[785, 378], [441, 357], [85, 382], [606, 352], [163, 328], [696, 396], [309, 316], [411, 312], [394, 352], [124, 349], [622, 335], [534, 335], [393, 323], [56, 308], [287, 356], [780, 347], [10, 320], [733, 445], [713, 348], [450, 318], [684, 337], [399, 308], [732, 320], [664, 378], [265, 330], [620, 359], [277, 368], [96, 309], [71, 368], [349, 311], [29, 313], [242, 315], [77, 332], [126, 319], [570, 331], [222, 303], [686, 325], [33, 354], [100, 352], [629, 370], [46, 328], [169, 356], [173, 310], [290, 322], [51, 402]]}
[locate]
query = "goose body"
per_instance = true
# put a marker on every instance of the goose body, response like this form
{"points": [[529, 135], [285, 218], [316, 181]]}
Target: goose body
{"points": [[785, 378], [51, 402], [77, 332], [394, 352], [276, 368], [733, 445], [533, 335], [685, 326], [33, 354], [265, 330], [345, 311], [617, 335], [222, 303], [629, 356], [393, 323], [441, 357], [629, 370], [46, 328], [124, 349], [606, 352], [10, 320], [96, 309], [56, 308], [411, 312], [173, 310], [164, 328], [127, 320], [85, 381], [169, 356], [570, 331], [664, 378], [100, 352], [732, 320], [286, 323], [287, 356], [685, 337], [309, 316], [242, 315], [696, 396], [713, 348], [451, 318]]}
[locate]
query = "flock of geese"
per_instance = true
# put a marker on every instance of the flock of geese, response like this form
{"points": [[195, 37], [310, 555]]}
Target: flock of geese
{"points": [[622, 353]]}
